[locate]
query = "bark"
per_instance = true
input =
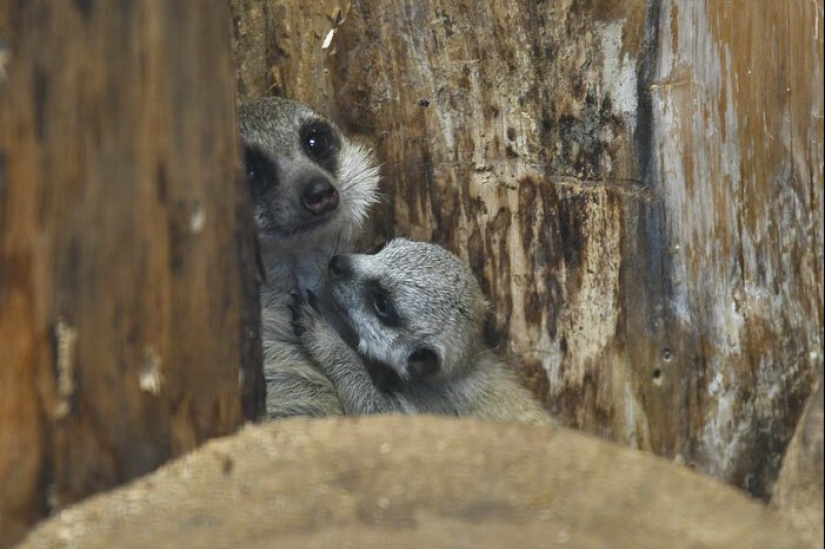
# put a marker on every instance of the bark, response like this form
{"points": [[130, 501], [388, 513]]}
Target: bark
{"points": [[122, 215], [637, 184]]}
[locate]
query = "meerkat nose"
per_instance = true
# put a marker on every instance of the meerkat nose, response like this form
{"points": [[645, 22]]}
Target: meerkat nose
{"points": [[320, 197], [339, 267]]}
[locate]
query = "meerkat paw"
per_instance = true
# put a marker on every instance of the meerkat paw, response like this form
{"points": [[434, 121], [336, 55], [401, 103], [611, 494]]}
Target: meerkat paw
{"points": [[310, 326]]}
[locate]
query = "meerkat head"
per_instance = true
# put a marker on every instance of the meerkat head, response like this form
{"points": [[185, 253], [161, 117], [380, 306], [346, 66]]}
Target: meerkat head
{"points": [[308, 181], [412, 307]]}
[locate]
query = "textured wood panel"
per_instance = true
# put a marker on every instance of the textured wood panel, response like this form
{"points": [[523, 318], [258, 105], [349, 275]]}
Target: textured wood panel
{"points": [[738, 107], [413, 483], [639, 193], [121, 291]]}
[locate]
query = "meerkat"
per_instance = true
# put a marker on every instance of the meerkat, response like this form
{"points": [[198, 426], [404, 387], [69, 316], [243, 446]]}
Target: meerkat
{"points": [[312, 188], [400, 332]]}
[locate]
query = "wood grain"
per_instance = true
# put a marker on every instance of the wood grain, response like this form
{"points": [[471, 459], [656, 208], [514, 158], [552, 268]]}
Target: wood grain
{"points": [[121, 229], [409, 482], [637, 184]]}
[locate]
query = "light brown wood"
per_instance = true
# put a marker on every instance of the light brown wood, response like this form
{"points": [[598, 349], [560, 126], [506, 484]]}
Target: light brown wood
{"points": [[416, 482], [800, 491], [638, 185], [123, 222]]}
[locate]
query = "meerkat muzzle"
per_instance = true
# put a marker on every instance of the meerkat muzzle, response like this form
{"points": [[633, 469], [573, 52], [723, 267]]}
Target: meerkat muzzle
{"points": [[320, 197]]}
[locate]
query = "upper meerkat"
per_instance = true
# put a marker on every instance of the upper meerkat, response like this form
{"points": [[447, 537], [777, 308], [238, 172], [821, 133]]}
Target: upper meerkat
{"points": [[409, 338], [312, 188]]}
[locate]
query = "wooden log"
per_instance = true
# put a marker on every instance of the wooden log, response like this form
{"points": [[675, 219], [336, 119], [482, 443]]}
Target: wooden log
{"points": [[416, 482], [738, 102], [123, 220], [634, 182]]}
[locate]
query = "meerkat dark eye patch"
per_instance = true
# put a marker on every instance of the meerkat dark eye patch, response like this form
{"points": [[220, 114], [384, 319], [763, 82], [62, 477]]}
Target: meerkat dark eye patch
{"points": [[261, 171], [422, 363], [320, 142], [379, 301]]}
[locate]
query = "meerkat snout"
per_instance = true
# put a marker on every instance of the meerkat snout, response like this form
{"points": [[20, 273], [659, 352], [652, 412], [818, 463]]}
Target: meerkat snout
{"points": [[423, 363], [319, 197]]}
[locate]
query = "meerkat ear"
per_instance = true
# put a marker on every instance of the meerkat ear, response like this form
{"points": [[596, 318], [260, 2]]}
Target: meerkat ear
{"points": [[423, 362]]}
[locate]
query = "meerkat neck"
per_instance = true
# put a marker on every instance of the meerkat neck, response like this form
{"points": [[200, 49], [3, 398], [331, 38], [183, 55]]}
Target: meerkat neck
{"points": [[291, 271]]}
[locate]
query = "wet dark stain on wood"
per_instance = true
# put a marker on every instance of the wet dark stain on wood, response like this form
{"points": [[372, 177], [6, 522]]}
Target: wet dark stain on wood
{"points": [[586, 150], [177, 243], [40, 90], [444, 200], [69, 268], [533, 376], [3, 164], [16, 275], [161, 183], [85, 7], [569, 211], [495, 242], [477, 258]]}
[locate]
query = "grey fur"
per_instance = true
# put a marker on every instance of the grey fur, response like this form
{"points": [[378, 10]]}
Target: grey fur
{"points": [[433, 309], [296, 245]]}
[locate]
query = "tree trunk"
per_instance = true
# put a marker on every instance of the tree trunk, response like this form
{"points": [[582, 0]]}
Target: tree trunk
{"points": [[637, 184], [124, 308]]}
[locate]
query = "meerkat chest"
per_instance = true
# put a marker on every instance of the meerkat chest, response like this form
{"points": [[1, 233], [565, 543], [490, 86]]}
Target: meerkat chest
{"points": [[293, 273]]}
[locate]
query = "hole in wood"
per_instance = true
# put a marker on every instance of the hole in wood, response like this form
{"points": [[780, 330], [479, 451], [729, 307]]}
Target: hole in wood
{"points": [[658, 377]]}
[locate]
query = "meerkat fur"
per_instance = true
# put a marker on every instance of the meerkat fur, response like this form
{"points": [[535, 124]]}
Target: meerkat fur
{"points": [[312, 188], [400, 332]]}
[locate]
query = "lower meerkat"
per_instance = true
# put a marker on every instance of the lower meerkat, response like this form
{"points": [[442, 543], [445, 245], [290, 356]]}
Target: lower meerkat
{"points": [[311, 188], [409, 338]]}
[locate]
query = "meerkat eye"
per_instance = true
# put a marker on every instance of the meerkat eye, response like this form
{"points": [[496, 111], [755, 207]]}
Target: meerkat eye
{"points": [[319, 141], [260, 171], [383, 307], [252, 161]]}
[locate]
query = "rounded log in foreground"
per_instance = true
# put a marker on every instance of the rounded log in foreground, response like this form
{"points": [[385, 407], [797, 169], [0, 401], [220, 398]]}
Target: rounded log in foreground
{"points": [[417, 482]]}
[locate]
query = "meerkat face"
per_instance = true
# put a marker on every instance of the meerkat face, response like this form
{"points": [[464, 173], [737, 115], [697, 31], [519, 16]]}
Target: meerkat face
{"points": [[307, 179], [413, 307]]}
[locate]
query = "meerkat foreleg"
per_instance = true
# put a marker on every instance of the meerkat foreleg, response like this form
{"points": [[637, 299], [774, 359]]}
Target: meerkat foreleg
{"points": [[341, 364]]}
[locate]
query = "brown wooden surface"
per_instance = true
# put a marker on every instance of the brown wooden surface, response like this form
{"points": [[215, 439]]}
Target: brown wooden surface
{"points": [[638, 184], [121, 295], [417, 482], [800, 491]]}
